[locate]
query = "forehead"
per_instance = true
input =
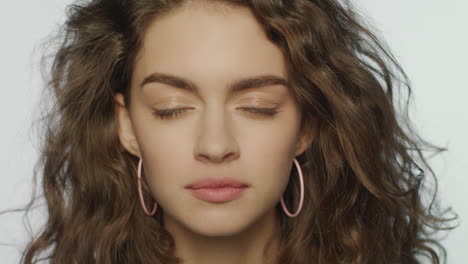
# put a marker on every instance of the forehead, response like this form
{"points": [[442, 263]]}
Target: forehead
{"points": [[206, 45]]}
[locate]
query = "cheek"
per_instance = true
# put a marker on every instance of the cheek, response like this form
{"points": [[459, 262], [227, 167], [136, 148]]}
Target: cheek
{"points": [[267, 158], [167, 156], [269, 164]]}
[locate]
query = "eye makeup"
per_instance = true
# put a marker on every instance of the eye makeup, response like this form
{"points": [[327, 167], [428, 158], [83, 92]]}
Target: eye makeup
{"points": [[167, 114]]}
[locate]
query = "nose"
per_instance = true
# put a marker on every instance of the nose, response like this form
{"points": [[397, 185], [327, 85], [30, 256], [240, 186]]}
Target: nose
{"points": [[215, 142]]}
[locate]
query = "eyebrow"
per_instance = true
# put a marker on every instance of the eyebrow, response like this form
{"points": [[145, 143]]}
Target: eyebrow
{"points": [[234, 87]]}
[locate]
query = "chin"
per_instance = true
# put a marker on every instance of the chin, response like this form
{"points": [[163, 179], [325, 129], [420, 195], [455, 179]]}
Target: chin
{"points": [[217, 224]]}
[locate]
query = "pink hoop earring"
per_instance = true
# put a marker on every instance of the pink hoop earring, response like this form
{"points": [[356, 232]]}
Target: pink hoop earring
{"points": [[155, 206], [302, 194]]}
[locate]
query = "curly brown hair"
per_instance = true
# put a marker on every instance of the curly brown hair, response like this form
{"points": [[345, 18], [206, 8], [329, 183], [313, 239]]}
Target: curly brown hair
{"points": [[364, 190]]}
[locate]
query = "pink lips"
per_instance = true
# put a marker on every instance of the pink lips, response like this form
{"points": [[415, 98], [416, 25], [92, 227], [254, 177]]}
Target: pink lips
{"points": [[217, 190]]}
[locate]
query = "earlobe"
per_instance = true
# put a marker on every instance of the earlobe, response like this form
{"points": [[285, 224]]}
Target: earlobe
{"points": [[124, 126]]}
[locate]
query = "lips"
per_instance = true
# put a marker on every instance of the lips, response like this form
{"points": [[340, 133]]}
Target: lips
{"points": [[214, 183], [218, 195]]}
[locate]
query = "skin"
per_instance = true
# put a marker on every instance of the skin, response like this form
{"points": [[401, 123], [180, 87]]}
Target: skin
{"points": [[214, 136]]}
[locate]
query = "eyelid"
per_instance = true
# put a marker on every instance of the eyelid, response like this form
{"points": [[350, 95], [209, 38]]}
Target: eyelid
{"points": [[252, 103], [260, 100], [263, 112], [276, 106]]}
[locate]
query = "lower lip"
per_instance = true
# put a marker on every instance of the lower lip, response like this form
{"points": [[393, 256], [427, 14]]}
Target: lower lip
{"points": [[217, 195]]}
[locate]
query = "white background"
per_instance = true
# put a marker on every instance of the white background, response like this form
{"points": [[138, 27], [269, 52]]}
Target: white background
{"points": [[428, 37]]}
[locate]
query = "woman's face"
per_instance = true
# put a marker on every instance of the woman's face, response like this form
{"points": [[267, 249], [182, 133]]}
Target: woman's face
{"points": [[215, 136]]}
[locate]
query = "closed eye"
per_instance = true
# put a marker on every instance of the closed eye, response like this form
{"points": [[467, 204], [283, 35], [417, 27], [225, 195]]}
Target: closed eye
{"points": [[173, 113]]}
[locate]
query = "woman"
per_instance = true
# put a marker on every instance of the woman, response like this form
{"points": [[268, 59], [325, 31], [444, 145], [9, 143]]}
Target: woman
{"points": [[229, 131]]}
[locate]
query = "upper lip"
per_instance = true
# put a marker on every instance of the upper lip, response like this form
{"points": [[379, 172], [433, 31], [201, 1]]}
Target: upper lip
{"points": [[216, 183]]}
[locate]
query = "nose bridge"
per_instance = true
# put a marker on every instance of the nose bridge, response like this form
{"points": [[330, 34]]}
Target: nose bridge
{"points": [[215, 139]]}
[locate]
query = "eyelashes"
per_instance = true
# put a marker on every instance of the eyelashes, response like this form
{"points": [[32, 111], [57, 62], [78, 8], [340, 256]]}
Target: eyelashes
{"points": [[167, 114]]}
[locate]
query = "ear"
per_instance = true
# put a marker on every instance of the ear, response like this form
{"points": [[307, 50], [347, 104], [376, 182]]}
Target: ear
{"points": [[124, 126], [306, 137]]}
